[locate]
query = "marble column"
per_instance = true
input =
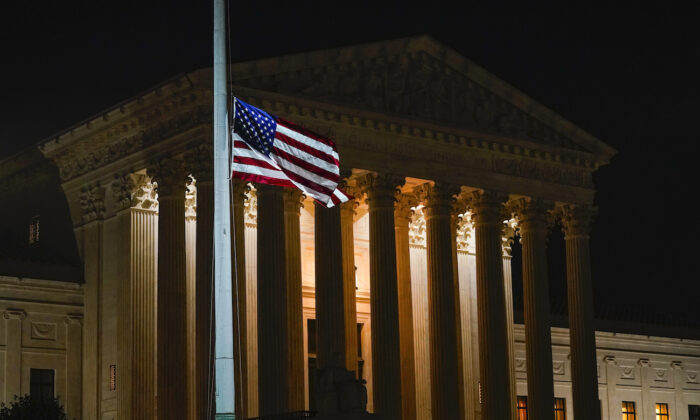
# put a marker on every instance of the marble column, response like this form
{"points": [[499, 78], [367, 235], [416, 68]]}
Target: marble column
{"points": [[458, 207], [384, 294], [347, 237], [74, 368], [507, 239], [136, 212], [295, 316], [200, 163], [171, 305], [273, 345], [402, 217], [538, 340], [577, 222], [13, 352], [444, 364], [330, 300], [191, 275], [240, 307], [493, 350]]}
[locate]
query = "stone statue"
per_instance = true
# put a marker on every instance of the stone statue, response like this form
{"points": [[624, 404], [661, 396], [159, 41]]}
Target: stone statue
{"points": [[339, 395]]}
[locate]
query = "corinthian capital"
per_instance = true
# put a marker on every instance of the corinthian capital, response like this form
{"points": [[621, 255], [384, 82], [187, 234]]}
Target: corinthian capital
{"points": [[532, 213], [191, 202], [403, 208], [487, 207], [170, 176], [133, 191], [577, 220], [437, 198], [380, 188], [293, 200]]}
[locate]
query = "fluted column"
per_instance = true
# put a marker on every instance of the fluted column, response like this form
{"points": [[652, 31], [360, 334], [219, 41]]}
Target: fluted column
{"points": [[577, 225], [507, 240], [273, 346], [136, 216], [240, 313], [191, 270], [402, 217], [538, 341], [347, 215], [444, 363], [172, 288], [295, 317], [458, 207], [384, 295], [330, 301], [493, 350], [200, 163]]}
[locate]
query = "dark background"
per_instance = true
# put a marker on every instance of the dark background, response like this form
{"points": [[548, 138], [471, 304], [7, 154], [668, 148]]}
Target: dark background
{"points": [[628, 77]]}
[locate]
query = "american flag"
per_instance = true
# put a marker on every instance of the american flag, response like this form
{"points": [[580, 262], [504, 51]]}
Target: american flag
{"points": [[269, 150]]}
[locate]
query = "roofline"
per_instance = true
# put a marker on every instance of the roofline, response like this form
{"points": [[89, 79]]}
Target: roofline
{"points": [[102, 115], [459, 63]]}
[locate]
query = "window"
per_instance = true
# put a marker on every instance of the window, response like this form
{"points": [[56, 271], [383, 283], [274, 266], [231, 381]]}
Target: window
{"points": [[41, 383], [559, 409], [694, 412], [522, 407], [662, 411], [628, 411], [34, 230]]}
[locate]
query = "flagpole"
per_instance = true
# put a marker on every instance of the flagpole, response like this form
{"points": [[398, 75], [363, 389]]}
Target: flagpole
{"points": [[223, 316]]}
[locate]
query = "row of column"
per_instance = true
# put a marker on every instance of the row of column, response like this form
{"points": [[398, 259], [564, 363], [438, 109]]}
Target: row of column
{"points": [[280, 358]]}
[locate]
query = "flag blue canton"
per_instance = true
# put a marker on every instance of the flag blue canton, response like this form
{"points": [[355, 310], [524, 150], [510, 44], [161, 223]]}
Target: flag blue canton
{"points": [[255, 126]]}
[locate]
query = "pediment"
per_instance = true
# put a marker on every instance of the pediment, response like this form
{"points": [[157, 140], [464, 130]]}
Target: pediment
{"points": [[417, 78]]}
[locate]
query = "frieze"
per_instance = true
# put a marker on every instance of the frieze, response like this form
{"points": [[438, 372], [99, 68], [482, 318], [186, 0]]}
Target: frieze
{"points": [[576, 173], [92, 203], [71, 166], [412, 85]]}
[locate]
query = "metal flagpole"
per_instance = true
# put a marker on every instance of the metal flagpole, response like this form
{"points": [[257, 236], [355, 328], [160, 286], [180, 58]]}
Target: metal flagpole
{"points": [[223, 317]]}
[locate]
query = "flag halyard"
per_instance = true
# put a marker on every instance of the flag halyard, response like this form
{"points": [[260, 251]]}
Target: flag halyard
{"points": [[270, 150]]}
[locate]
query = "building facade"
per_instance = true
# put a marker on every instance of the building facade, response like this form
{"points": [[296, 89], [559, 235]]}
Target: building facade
{"points": [[408, 285]]}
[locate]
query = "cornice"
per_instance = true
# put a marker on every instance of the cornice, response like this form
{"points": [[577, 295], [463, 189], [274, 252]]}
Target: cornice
{"points": [[484, 153]]}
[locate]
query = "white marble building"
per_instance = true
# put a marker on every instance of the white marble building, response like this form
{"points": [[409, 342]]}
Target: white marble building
{"points": [[450, 158]]}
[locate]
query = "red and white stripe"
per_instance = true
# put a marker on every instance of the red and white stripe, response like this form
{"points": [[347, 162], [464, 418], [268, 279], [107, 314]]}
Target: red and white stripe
{"points": [[299, 159]]}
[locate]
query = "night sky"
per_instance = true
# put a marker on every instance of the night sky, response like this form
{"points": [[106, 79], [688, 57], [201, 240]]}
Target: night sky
{"points": [[629, 78]]}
